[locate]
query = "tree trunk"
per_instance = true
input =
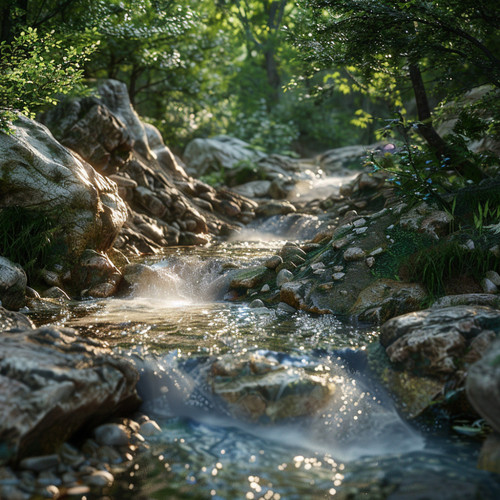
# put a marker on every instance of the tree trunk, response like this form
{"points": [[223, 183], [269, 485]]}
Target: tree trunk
{"points": [[425, 128]]}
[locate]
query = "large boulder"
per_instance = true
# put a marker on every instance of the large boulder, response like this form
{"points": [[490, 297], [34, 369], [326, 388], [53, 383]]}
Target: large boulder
{"points": [[209, 155], [423, 355], [483, 386], [166, 207], [54, 383], [12, 285], [258, 388], [37, 172]]}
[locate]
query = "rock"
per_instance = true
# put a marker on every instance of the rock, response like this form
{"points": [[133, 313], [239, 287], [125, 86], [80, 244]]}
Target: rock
{"points": [[112, 435], [10, 320], [256, 387], [256, 303], [489, 457], [494, 277], [53, 383], [283, 307], [354, 253], [207, 155], [251, 277], [434, 341], [99, 478], [265, 288], [413, 394], [488, 286], [12, 285], [253, 189], [49, 177], [273, 262], [54, 292], [96, 274], [284, 276], [292, 293], [479, 299], [271, 208], [40, 463], [483, 385], [385, 299], [150, 428]]}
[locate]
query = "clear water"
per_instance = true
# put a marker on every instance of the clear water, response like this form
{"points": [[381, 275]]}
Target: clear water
{"points": [[355, 447]]}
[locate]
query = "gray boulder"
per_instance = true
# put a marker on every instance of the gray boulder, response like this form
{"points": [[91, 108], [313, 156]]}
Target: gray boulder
{"points": [[435, 341], [483, 386], [207, 155], [53, 383], [10, 320], [12, 285], [38, 172]]}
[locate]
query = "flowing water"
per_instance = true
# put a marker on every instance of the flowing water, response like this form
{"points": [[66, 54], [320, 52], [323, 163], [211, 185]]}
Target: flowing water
{"points": [[357, 446]]}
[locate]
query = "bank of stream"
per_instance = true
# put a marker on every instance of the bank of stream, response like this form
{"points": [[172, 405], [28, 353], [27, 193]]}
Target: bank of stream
{"points": [[356, 446]]}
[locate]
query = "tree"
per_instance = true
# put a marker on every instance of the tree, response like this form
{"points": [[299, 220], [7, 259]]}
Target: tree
{"points": [[454, 42]]}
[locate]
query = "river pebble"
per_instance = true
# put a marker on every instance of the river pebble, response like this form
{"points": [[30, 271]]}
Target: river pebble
{"points": [[40, 463], [151, 428], [112, 435], [99, 478], [284, 276]]}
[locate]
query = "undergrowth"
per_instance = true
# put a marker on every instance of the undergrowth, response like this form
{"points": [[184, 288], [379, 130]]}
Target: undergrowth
{"points": [[28, 238], [447, 260]]}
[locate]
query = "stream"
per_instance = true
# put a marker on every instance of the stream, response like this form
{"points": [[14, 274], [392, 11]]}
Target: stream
{"points": [[357, 446]]}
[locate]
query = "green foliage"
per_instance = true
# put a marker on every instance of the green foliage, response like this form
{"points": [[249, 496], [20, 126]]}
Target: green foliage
{"points": [[266, 131], [485, 215], [28, 237], [35, 69], [404, 244], [448, 260]]}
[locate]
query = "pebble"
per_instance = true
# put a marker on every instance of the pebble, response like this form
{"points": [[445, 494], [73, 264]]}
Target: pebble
{"points": [[112, 435], [359, 222], [265, 288], [494, 277], [151, 428], [256, 303], [377, 251], [273, 262], [284, 276], [488, 286], [40, 463], [284, 307], [100, 478], [338, 276], [370, 261], [354, 253], [338, 269], [50, 491], [360, 230]]}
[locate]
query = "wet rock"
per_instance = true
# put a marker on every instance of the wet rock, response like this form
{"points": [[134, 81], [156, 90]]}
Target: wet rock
{"points": [[252, 277], [150, 428], [99, 478], [483, 385], [256, 303], [433, 341], [53, 383], [12, 285], [96, 274], [10, 320], [284, 276], [489, 457], [274, 207], [273, 262], [254, 189], [479, 299], [256, 387], [385, 299]]}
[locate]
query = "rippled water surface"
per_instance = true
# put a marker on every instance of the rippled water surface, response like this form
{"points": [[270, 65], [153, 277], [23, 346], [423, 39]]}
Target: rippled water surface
{"points": [[357, 446]]}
